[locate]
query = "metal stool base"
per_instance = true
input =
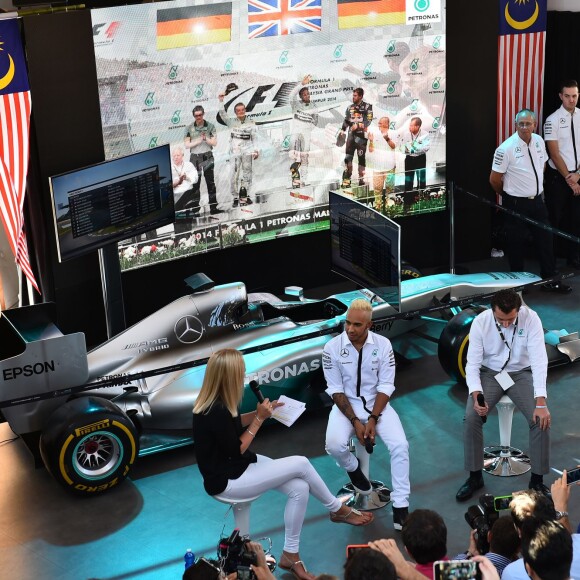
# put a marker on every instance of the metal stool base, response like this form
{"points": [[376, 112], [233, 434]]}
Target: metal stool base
{"points": [[505, 461], [379, 497]]}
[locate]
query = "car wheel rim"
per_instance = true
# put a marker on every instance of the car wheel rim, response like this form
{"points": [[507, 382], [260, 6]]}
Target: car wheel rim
{"points": [[97, 455]]}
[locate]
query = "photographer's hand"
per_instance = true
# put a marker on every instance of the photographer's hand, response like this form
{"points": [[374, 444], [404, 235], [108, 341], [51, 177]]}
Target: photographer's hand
{"points": [[405, 570], [472, 544], [560, 495], [260, 570], [487, 569]]}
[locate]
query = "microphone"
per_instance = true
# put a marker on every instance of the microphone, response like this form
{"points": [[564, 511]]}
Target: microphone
{"points": [[369, 446], [256, 390], [480, 402]]}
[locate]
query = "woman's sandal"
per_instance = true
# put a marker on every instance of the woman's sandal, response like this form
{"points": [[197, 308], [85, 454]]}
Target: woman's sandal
{"points": [[338, 519], [292, 568]]}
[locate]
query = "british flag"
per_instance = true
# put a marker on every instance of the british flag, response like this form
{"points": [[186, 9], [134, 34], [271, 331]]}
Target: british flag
{"points": [[278, 17]]}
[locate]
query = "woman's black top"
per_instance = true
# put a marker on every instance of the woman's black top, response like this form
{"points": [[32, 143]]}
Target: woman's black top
{"points": [[216, 436]]}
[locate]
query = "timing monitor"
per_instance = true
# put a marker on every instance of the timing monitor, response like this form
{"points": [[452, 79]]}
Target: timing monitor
{"points": [[366, 247], [111, 201]]}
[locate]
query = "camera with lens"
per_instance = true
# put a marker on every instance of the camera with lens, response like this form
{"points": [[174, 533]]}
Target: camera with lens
{"points": [[481, 518], [234, 555]]}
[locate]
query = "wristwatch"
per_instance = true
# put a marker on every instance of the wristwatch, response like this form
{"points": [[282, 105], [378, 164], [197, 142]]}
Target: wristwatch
{"points": [[560, 515]]}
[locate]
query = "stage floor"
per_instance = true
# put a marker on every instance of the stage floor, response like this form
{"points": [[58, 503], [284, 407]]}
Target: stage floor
{"points": [[143, 528]]}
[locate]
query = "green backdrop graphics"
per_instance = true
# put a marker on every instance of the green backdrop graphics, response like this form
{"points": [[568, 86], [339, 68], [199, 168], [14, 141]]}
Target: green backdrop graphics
{"points": [[147, 95]]}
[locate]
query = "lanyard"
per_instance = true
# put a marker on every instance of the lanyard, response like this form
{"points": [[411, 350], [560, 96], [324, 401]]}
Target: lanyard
{"points": [[359, 380], [509, 346]]}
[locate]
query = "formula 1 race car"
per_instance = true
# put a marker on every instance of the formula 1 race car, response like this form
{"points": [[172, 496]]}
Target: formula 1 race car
{"points": [[89, 416]]}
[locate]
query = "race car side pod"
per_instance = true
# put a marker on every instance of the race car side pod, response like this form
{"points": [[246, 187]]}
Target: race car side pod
{"points": [[120, 380]]}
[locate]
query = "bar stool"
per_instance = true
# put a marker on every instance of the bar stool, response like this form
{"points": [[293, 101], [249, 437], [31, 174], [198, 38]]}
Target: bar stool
{"points": [[241, 509], [504, 460], [380, 495]]}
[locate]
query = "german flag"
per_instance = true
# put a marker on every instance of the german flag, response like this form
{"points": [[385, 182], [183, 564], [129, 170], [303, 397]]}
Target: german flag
{"points": [[194, 25], [361, 13]]}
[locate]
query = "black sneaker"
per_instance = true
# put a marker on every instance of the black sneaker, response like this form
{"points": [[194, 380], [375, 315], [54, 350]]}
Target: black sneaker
{"points": [[558, 287], [215, 211], [236, 202], [360, 481], [469, 488], [400, 515]]}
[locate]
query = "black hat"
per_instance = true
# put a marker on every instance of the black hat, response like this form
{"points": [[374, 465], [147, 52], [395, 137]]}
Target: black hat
{"points": [[231, 87]]}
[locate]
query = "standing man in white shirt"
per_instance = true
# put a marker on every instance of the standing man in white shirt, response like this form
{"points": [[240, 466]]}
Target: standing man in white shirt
{"points": [[304, 119], [359, 368], [562, 135], [243, 150], [517, 174], [506, 356], [383, 161], [415, 143], [184, 176]]}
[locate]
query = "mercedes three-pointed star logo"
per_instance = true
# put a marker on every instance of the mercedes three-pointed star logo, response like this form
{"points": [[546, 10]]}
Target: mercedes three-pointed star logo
{"points": [[188, 329]]}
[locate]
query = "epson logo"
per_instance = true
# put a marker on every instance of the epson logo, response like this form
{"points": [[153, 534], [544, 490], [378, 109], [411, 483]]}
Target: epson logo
{"points": [[38, 368]]}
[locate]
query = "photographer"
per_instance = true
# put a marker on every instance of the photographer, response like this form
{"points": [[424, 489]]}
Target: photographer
{"points": [[503, 541], [527, 505], [424, 536], [367, 564], [405, 570], [260, 569], [222, 437]]}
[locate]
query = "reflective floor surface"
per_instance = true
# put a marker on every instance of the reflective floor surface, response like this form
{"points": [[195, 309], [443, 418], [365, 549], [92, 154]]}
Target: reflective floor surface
{"points": [[143, 528]]}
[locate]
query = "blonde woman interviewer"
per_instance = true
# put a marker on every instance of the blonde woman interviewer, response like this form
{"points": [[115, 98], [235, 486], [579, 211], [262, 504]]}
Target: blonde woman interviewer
{"points": [[222, 439]]}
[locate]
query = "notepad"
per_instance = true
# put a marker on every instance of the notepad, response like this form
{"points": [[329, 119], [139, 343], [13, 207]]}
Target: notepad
{"points": [[289, 412]]}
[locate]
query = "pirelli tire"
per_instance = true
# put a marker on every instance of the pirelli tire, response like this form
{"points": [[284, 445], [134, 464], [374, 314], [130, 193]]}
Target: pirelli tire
{"points": [[454, 342], [409, 272], [89, 445]]}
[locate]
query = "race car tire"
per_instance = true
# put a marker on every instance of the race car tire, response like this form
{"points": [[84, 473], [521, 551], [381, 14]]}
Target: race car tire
{"points": [[409, 272], [89, 445], [454, 342]]}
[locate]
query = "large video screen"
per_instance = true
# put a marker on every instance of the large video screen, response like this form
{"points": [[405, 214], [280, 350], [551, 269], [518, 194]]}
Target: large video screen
{"points": [[105, 203], [255, 96], [365, 247]]}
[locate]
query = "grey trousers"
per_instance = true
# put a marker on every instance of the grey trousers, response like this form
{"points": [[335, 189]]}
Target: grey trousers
{"points": [[522, 395]]}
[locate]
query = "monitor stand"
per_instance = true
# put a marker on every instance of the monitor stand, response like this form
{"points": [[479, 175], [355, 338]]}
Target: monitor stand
{"points": [[112, 289]]}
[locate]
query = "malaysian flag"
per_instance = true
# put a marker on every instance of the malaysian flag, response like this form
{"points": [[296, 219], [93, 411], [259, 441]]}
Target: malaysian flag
{"points": [[278, 17], [522, 39], [15, 107]]}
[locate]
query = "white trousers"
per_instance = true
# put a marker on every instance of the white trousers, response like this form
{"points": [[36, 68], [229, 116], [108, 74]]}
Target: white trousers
{"points": [[294, 476], [339, 432]]}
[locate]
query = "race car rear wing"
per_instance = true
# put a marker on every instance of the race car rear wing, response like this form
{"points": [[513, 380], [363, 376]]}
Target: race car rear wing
{"points": [[35, 357]]}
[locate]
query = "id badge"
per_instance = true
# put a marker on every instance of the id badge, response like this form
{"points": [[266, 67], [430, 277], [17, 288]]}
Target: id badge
{"points": [[504, 380]]}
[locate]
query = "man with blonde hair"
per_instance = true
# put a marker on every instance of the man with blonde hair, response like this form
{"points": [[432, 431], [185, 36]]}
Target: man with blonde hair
{"points": [[359, 368]]}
